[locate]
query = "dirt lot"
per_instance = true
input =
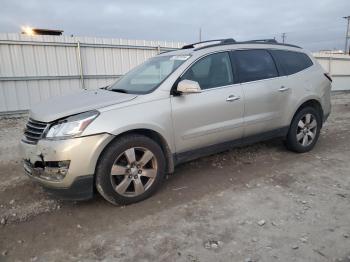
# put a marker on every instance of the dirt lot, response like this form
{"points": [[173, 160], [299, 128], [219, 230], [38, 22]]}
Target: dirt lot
{"points": [[258, 203]]}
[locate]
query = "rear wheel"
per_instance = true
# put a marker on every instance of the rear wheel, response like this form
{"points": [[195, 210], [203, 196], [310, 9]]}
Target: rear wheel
{"points": [[130, 170], [304, 130]]}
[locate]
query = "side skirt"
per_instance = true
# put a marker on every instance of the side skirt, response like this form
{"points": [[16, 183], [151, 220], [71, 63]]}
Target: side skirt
{"points": [[217, 148]]}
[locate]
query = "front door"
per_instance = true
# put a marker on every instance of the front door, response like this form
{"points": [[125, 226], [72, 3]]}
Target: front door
{"points": [[216, 114]]}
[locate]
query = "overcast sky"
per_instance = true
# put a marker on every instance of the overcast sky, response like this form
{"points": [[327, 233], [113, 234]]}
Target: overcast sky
{"points": [[314, 24]]}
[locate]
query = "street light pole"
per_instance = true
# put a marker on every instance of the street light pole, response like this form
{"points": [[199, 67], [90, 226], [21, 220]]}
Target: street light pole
{"points": [[347, 35]]}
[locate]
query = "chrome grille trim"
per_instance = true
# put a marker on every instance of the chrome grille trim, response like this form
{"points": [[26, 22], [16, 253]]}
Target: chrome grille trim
{"points": [[34, 131]]}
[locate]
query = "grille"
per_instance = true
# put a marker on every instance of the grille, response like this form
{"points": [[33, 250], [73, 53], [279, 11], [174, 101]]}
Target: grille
{"points": [[34, 131]]}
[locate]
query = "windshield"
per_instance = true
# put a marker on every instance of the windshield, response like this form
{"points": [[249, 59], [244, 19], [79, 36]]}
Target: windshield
{"points": [[149, 75]]}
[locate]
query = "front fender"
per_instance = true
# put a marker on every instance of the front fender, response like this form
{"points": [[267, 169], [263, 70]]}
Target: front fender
{"points": [[154, 116]]}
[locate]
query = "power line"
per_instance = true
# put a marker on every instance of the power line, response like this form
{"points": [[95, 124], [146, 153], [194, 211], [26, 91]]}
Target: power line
{"points": [[295, 33]]}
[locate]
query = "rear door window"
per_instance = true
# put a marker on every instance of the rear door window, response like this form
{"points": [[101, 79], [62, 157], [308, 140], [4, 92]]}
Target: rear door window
{"points": [[252, 65], [290, 62]]}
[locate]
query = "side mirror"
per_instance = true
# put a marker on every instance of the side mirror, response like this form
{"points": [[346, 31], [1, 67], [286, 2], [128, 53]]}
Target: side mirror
{"points": [[188, 87]]}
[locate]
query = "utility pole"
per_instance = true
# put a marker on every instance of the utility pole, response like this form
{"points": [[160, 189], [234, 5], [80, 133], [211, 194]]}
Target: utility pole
{"points": [[347, 35], [283, 37], [200, 34]]}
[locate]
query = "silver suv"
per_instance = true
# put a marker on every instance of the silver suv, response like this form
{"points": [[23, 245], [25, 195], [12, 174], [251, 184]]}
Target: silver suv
{"points": [[177, 106]]}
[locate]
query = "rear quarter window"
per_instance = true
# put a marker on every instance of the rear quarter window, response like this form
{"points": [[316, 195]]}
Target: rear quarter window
{"points": [[290, 62]]}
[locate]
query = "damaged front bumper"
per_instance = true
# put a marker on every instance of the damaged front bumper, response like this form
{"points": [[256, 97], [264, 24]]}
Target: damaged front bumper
{"points": [[65, 167]]}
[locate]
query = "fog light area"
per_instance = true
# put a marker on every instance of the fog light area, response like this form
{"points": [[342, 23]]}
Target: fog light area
{"points": [[48, 170]]}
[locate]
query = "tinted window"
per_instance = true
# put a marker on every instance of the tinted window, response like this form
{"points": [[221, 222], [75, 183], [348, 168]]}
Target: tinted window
{"points": [[211, 71], [291, 62], [254, 65]]}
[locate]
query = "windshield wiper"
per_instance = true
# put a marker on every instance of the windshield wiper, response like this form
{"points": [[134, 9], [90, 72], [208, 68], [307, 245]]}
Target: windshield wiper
{"points": [[119, 90]]}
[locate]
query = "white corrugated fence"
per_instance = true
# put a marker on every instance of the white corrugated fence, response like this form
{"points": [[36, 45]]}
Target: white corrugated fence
{"points": [[34, 68], [338, 66]]}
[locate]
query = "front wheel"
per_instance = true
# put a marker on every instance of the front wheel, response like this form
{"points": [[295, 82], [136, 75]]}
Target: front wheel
{"points": [[304, 130], [131, 169]]}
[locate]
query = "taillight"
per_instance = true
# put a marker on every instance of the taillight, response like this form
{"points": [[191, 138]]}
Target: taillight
{"points": [[328, 76]]}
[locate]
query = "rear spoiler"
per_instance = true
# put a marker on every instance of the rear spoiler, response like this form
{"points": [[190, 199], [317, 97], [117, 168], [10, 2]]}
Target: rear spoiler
{"points": [[328, 76]]}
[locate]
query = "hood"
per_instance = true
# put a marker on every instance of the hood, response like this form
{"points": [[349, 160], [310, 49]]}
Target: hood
{"points": [[59, 107]]}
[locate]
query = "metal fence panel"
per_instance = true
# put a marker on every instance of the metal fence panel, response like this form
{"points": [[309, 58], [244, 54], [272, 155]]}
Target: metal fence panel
{"points": [[338, 66], [35, 68], [21, 95]]}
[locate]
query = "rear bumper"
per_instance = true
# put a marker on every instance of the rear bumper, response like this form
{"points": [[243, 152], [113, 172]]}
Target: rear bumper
{"points": [[325, 117], [326, 103]]}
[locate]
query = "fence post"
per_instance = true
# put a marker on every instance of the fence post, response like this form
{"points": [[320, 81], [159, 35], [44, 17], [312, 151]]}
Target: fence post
{"points": [[80, 64]]}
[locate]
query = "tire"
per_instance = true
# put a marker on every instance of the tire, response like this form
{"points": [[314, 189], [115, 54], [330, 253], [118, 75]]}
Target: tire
{"points": [[304, 130], [126, 174]]}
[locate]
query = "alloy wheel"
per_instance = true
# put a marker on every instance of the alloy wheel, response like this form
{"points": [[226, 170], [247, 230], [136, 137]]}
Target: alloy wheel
{"points": [[307, 129], [133, 171]]}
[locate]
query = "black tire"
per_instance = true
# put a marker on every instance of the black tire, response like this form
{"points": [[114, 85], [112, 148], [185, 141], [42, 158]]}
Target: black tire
{"points": [[104, 180], [292, 143]]}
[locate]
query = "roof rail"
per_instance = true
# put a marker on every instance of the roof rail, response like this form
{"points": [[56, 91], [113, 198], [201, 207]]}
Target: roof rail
{"points": [[230, 41], [221, 41], [274, 41]]}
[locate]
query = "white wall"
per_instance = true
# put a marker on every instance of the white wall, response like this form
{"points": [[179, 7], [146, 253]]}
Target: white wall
{"points": [[34, 68], [338, 65]]}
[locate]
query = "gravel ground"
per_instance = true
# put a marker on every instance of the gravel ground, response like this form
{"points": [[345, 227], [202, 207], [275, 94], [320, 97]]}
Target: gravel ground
{"points": [[257, 203]]}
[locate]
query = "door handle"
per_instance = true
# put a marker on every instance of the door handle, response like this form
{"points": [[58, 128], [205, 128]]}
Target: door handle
{"points": [[232, 98], [283, 89]]}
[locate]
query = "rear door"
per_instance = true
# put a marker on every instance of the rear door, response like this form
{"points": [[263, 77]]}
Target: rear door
{"points": [[216, 114], [264, 92]]}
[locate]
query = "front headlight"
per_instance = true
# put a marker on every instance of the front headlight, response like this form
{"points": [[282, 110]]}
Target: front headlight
{"points": [[71, 126]]}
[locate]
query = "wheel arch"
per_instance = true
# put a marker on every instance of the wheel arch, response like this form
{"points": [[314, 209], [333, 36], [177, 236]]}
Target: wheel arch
{"points": [[155, 136], [313, 102]]}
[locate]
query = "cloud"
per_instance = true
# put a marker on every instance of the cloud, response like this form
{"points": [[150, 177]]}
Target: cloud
{"points": [[312, 24]]}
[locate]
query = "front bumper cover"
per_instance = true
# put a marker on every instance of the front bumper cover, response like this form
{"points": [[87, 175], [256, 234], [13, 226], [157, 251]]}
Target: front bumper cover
{"points": [[73, 178], [81, 189]]}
